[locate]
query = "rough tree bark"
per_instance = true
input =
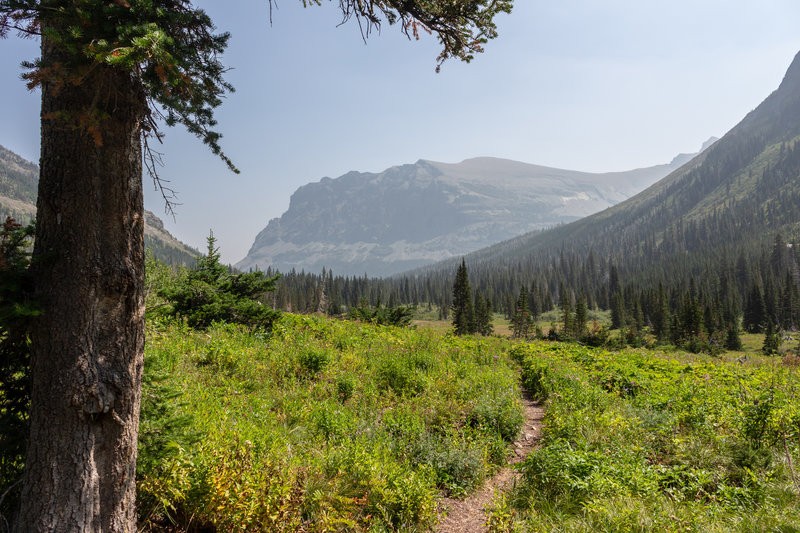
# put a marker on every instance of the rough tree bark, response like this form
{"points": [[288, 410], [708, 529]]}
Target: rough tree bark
{"points": [[87, 347]]}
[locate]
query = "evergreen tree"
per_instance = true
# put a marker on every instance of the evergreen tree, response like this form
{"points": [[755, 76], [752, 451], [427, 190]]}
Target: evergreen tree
{"points": [[732, 340], [483, 315], [638, 315], [522, 321], [771, 297], [710, 319], [777, 258], [581, 315], [742, 272], [675, 329], [617, 311], [691, 319], [613, 280], [566, 316], [772, 339], [535, 302], [463, 313], [788, 306], [399, 316], [661, 315], [755, 311], [209, 292]]}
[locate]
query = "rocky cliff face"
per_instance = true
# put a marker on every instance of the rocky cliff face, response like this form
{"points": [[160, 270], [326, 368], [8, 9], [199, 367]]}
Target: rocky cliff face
{"points": [[411, 215]]}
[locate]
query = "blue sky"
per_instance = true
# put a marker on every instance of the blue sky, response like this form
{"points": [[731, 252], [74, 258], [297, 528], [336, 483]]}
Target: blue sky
{"points": [[595, 85]]}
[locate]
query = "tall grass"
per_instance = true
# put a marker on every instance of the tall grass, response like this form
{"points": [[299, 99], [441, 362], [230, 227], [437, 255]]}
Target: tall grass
{"points": [[636, 441], [326, 425]]}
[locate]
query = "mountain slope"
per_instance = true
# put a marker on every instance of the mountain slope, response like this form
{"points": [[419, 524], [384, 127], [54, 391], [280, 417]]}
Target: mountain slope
{"points": [[18, 181], [18, 188], [732, 199], [418, 213]]}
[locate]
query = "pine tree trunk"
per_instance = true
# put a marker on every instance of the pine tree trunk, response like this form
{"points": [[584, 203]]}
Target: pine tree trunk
{"points": [[87, 347]]}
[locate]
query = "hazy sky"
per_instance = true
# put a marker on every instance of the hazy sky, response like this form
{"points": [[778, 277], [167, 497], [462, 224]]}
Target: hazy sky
{"points": [[594, 85]]}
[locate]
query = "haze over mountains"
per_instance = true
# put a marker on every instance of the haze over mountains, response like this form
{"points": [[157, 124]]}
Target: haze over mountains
{"points": [[19, 180], [416, 214], [712, 218]]}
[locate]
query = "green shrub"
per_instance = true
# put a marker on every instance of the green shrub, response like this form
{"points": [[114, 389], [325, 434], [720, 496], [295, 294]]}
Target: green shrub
{"points": [[396, 376], [345, 386], [457, 464], [164, 428], [403, 499], [501, 516], [570, 475], [219, 356], [208, 293], [536, 379], [244, 492], [313, 361], [331, 422], [400, 316]]}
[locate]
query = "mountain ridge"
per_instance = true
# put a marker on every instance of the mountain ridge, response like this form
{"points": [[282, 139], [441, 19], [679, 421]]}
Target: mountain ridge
{"points": [[414, 214]]}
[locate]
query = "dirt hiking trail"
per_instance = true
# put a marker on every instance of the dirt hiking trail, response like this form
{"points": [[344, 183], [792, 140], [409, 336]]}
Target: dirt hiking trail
{"points": [[468, 516]]}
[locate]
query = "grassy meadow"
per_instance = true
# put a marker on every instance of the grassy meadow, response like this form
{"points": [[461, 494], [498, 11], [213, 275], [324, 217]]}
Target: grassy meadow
{"points": [[331, 425], [321, 425], [644, 441]]}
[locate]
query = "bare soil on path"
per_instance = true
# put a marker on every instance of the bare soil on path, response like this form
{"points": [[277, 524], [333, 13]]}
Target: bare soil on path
{"points": [[469, 515]]}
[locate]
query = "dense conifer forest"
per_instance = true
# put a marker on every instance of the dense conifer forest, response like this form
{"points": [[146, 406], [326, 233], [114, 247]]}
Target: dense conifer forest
{"points": [[740, 290]]}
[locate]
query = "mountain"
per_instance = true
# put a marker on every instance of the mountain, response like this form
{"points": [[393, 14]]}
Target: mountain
{"points": [[742, 190], [728, 217], [416, 214], [19, 180], [164, 245]]}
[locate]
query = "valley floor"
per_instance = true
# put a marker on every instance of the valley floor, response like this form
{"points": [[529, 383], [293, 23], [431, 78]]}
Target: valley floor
{"points": [[330, 425]]}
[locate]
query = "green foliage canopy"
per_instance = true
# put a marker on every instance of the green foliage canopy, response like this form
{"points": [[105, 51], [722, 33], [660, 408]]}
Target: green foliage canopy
{"points": [[462, 26], [168, 46], [16, 312]]}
